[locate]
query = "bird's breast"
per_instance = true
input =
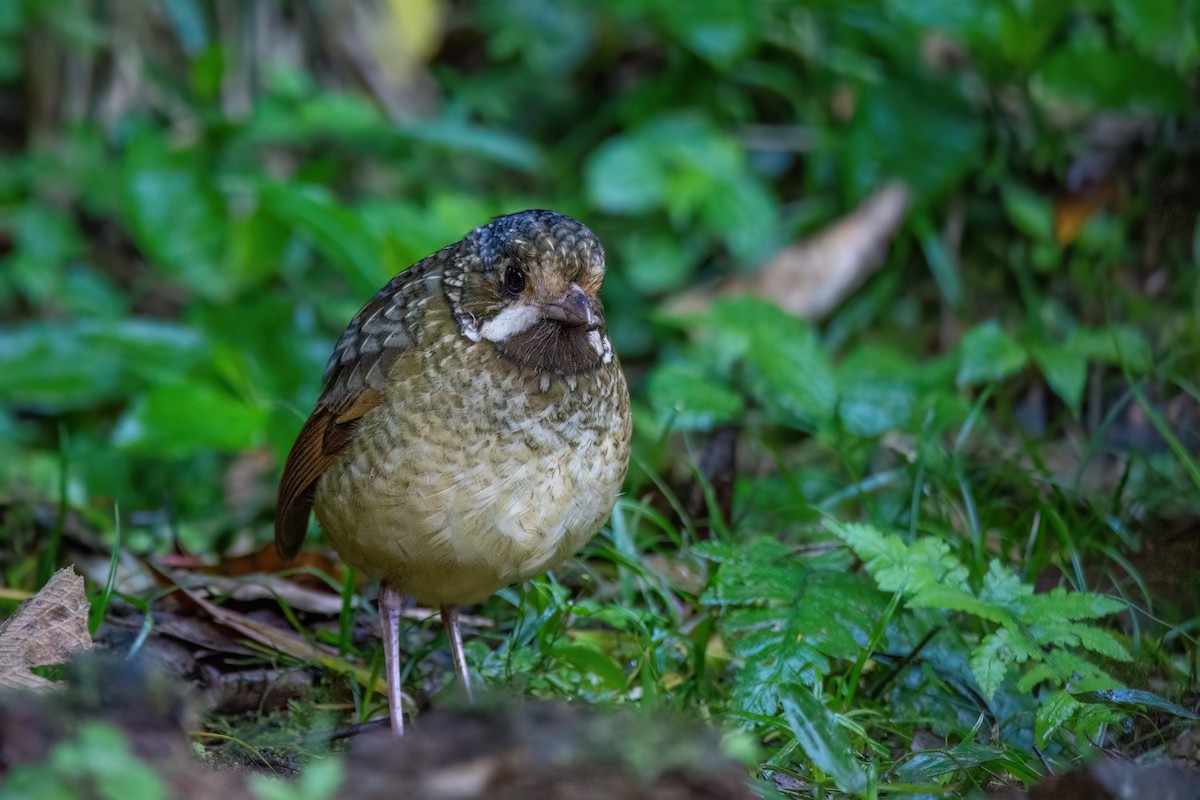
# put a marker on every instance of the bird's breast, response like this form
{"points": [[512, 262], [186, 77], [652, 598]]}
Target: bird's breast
{"points": [[473, 475]]}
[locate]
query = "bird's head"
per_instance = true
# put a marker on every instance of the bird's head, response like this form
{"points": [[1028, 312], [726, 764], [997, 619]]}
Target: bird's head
{"points": [[529, 283]]}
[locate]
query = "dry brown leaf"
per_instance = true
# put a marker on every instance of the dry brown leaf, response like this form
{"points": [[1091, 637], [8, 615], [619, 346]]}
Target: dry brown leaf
{"points": [[249, 588], [285, 641], [46, 629], [810, 278], [1071, 212]]}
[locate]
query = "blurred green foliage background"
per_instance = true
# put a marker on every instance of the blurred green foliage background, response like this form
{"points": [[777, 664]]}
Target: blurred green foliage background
{"points": [[197, 195]]}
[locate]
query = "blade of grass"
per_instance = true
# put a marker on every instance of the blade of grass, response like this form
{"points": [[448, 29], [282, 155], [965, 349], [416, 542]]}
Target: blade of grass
{"points": [[101, 605]]}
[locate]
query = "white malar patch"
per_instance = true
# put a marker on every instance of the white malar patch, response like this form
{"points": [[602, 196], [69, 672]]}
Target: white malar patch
{"points": [[601, 345], [509, 322], [471, 331]]}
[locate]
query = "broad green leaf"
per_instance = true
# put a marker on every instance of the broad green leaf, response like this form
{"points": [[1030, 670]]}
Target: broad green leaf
{"points": [[495, 144], [1074, 667], [762, 569], [1065, 370], [625, 176], [696, 400], [683, 165], [1155, 28], [595, 663], [76, 365], [878, 390], [656, 264], [922, 133], [51, 368], [1122, 345], [988, 354], [1030, 213], [1054, 712], [715, 30], [174, 214], [929, 765], [256, 246], [786, 365], [1135, 697], [335, 231], [823, 740], [1114, 80], [184, 418], [872, 409]]}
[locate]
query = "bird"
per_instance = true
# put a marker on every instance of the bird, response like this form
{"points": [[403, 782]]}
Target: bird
{"points": [[474, 426]]}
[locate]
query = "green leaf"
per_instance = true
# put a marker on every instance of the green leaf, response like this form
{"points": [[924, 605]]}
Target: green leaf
{"points": [[878, 390], [1101, 641], [335, 231], [49, 367], [1029, 212], [697, 401], [1116, 80], [762, 569], [988, 354], [925, 134], [656, 264], [990, 662], [1054, 712], [1115, 344], [930, 765], [625, 176], [872, 409], [495, 144], [1135, 697], [1037, 674], [682, 164], [184, 418], [174, 214], [787, 368], [1149, 23], [718, 31], [1065, 370], [895, 565], [64, 366], [1003, 587], [593, 662], [1059, 602], [823, 740]]}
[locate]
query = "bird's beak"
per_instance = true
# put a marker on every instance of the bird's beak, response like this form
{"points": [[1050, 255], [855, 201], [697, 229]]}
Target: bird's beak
{"points": [[572, 309]]}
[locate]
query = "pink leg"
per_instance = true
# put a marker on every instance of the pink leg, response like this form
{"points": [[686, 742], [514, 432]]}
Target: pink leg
{"points": [[454, 634], [391, 603]]}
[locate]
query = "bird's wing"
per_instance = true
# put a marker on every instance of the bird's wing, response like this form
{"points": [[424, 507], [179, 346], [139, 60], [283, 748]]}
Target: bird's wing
{"points": [[378, 335]]}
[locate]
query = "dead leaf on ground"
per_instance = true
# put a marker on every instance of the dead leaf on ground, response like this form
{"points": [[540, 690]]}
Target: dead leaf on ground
{"points": [[263, 587], [285, 641], [303, 569], [810, 278], [47, 629], [1072, 211]]}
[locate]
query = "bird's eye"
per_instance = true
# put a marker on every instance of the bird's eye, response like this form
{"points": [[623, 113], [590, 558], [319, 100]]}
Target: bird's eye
{"points": [[514, 280]]}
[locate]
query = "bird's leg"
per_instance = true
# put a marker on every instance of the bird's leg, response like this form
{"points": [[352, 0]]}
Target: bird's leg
{"points": [[454, 634], [391, 603]]}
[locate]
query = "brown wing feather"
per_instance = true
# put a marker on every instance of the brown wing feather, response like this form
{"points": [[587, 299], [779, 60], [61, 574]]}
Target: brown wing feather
{"points": [[320, 441], [378, 334]]}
